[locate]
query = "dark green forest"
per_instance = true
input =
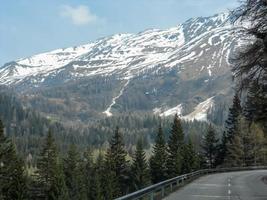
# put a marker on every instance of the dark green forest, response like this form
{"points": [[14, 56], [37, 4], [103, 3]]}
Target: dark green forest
{"points": [[27, 127]]}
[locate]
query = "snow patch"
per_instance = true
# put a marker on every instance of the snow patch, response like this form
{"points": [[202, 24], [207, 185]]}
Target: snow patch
{"points": [[124, 54], [108, 112], [175, 110], [200, 111]]}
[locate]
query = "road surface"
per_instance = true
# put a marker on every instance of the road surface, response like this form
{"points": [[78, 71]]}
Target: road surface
{"points": [[246, 185]]}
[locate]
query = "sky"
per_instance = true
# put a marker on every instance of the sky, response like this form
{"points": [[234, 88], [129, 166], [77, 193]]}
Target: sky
{"points": [[28, 27]]}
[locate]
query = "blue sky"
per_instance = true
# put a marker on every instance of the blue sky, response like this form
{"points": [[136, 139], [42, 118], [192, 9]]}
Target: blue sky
{"points": [[29, 27]]}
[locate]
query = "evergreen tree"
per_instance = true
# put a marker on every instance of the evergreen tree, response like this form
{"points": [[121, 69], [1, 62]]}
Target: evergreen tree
{"points": [[260, 144], [210, 147], [88, 171], [158, 160], [98, 179], [140, 172], [61, 189], [231, 124], [16, 186], [73, 170], [175, 149], [222, 148], [49, 173], [119, 164], [97, 188], [112, 187], [248, 147], [13, 182], [235, 148], [250, 65], [201, 162], [256, 104], [248, 141], [18, 189], [189, 158], [4, 149]]}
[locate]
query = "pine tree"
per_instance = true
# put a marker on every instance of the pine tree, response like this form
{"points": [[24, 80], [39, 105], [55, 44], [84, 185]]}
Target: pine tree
{"points": [[13, 181], [248, 141], [140, 172], [234, 157], [235, 148], [259, 150], [88, 170], [61, 188], [158, 160], [210, 147], [248, 145], [231, 123], [189, 158], [256, 104], [231, 126], [4, 149], [3, 142], [222, 148], [97, 189], [49, 172], [98, 180], [17, 184], [119, 164], [111, 185], [175, 149], [73, 170]]}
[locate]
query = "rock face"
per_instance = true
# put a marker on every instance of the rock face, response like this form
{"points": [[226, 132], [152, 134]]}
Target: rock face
{"points": [[183, 70]]}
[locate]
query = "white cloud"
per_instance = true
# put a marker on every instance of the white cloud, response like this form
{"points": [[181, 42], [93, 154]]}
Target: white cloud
{"points": [[80, 15]]}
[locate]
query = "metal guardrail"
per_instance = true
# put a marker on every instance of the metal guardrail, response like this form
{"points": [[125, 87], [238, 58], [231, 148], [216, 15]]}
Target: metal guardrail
{"points": [[161, 189]]}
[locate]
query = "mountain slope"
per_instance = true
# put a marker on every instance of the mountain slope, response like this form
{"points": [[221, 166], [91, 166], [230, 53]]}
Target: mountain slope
{"points": [[155, 70]]}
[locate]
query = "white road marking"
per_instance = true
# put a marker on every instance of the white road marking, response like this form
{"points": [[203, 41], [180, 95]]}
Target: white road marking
{"points": [[208, 196], [229, 190], [208, 185]]}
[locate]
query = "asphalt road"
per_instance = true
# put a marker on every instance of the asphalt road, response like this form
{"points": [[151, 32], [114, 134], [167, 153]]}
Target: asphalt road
{"points": [[246, 185]]}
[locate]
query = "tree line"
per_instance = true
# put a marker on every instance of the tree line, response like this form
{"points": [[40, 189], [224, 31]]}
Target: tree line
{"points": [[27, 127], [113, 173]]}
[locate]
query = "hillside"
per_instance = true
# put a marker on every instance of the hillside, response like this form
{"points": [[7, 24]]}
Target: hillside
{"points": [[184, 69]]}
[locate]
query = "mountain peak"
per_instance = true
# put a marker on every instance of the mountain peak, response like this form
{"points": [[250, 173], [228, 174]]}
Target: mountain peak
{"points": [[193, 54]]}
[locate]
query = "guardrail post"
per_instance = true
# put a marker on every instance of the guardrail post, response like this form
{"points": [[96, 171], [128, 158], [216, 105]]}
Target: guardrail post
{"points": [[171, 187], [152, 196], [162, 191]]}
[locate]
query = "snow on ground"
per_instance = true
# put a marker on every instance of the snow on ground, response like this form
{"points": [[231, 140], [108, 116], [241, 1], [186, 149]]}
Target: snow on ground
{"points": [[200, 111], [123, 52], [108, 112], [175, 110], [56, 58], [172, 111]]}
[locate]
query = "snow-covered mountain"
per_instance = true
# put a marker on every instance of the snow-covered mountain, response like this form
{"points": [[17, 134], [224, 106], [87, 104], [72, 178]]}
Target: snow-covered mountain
{"points": [[183, 69]]}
